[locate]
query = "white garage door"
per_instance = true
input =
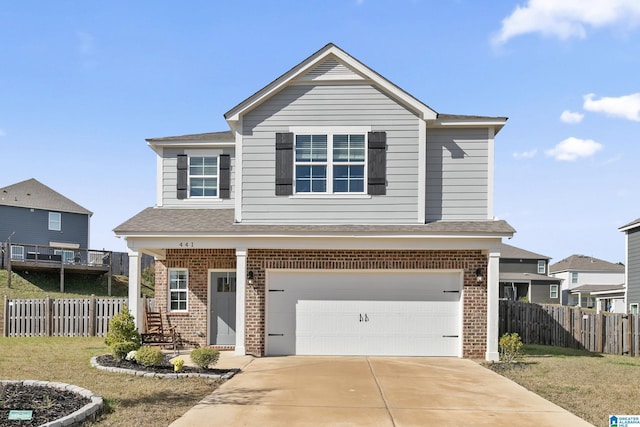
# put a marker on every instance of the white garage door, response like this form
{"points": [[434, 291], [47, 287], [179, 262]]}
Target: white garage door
{"points": [[381, 313]]}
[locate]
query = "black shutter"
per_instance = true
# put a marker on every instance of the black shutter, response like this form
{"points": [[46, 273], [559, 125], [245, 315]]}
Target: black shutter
{"points": [[225, 176], [284, 164], [181, 184], [377, 177]]}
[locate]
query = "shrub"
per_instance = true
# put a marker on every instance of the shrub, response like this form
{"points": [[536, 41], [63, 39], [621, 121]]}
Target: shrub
{"points": [[510, 347], [122, 329], [203, 357], [121, 350], [149, 356]]}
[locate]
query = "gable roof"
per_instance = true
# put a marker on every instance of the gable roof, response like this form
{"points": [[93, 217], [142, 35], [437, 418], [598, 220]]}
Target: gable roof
{"points": [[224, 136], [330, 58], [512, 252], [631, 225], [154, 221], [33, 194], [585, 263]]}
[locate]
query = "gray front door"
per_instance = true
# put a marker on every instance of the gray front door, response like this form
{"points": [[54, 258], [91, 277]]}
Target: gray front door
{"points": [[222, 308]]}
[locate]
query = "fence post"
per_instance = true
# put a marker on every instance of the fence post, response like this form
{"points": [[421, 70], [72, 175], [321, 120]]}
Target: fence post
{"points": [[6, 317], [48, 316], [599, 333], [92, 316]]}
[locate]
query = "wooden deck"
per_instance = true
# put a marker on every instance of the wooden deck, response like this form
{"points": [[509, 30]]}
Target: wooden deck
{"points": [[21, 257]]}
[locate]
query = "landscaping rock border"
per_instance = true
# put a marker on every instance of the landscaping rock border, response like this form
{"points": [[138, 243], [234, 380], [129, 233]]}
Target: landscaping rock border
{"points": [[90, 410], [95, 364]]}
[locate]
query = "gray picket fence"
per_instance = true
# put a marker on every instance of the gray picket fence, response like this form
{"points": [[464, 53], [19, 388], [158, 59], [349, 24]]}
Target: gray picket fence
{"points": [[60, 317], [572, 327]]}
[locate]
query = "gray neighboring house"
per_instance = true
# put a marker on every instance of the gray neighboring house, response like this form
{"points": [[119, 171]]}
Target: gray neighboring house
{"points": [[33, 214], [524, 274], [632, 276], [590, 282]]}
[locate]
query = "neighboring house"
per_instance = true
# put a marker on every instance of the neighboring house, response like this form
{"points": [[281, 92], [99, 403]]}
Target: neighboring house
{"points": [[632, 253], [585, 279], [33, 214], [524, 275], [339, 216]]}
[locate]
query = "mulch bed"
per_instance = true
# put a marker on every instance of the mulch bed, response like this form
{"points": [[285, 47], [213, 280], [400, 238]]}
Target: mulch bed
{"points": [[48, 404], [165, 368]]}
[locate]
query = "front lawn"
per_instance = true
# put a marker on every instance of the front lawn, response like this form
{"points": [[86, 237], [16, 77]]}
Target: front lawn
{"points": [[129, 400], [592, 386]]}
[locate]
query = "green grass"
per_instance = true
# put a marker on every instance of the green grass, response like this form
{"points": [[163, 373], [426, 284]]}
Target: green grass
{"points": [[591, 385], [129, 400]]}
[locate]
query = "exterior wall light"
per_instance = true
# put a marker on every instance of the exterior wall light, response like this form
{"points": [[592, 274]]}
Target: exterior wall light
{"points": [[250, 278], [479, 277]]}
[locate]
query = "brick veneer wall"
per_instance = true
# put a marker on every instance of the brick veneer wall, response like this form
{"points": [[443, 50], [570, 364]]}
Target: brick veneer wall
{"points": [[192, 325], [258, 260]]}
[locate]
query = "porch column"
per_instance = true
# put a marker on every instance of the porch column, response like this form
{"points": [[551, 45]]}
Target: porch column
{"points": [[135, 308], [241, 283], [493, 272]]}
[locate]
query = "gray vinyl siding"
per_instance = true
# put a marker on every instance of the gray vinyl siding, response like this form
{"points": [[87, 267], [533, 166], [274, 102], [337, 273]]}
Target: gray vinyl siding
{"points": [[32, 227], [330, 105], [517, 266], [170, 178], [633, 287], [457, 174], [540, 292]]}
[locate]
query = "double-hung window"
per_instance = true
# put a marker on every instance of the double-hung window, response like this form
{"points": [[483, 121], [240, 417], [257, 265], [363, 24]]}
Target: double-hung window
{"points": [[55, 221], [541, 266], [203, 176], [178, 289], [553, 291], [331, 163], [574, 278]]}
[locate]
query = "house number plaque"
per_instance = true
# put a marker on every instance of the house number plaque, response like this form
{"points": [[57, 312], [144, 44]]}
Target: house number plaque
{"points": [[186, 244]]}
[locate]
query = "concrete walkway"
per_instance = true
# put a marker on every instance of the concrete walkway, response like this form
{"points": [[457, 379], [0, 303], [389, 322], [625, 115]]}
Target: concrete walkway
{"points": [[371, 391]]}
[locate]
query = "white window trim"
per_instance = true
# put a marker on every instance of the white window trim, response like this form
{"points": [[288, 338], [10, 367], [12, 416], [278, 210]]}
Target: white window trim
{"points": [[17, 255], [571, 275], [59, 222], [170, 291], [189, 176], [634, 308], [330, 131], [542, 264], [553, 289]]}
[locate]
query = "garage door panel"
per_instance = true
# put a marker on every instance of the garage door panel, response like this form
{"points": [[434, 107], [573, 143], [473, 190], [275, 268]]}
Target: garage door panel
{"points": [[364, 313]]}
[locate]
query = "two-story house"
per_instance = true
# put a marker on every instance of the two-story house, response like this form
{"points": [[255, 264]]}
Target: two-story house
{"points": [[586, 279], [524, 276], [340, 215], [32, 214], [632, 262]]}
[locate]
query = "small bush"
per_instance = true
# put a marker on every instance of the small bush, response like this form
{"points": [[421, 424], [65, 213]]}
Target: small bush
{"points": [[122, 328], [203, 357], [510, 347], [120, 350], [149, 356]]}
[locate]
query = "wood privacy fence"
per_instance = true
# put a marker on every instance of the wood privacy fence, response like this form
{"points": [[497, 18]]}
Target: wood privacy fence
{"points": [[78, 317], [563, 326]]}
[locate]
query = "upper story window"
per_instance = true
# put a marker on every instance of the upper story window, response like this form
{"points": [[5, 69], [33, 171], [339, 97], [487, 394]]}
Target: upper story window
{"points": [[330, 163], [574, 278], [541, 267], [55, 221], [203, 176], [343, 160]]}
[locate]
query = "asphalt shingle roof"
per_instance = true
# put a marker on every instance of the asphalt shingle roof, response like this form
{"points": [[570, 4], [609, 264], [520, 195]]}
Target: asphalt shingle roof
{"points": [[512, 252], [224, 136], [585, 263], [221, 222], [34, 194], [524, 277]]}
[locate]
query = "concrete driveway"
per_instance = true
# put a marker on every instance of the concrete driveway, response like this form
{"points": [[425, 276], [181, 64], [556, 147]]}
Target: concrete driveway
{"points": [[372, 391]]}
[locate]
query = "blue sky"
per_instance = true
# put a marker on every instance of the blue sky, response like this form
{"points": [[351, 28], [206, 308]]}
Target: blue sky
{"points": [[82, 84]]}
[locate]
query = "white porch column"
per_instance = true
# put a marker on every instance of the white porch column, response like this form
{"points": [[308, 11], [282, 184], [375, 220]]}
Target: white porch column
{"points": [[241, 283], [493, 272], [135, 275]]}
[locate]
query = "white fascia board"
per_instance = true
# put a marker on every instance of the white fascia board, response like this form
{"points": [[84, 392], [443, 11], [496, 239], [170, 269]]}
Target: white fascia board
{"points": [[496, 124], [157, 146], [313, 242], [368, 74], [629, 227], [159, 175]]}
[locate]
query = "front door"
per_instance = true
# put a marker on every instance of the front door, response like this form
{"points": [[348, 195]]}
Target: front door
{"points": [[222, 308]]}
